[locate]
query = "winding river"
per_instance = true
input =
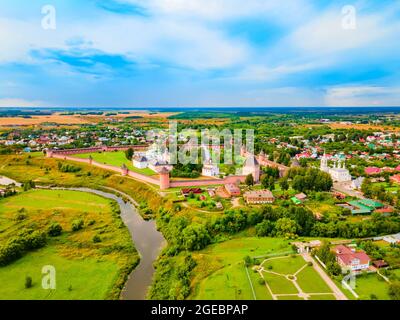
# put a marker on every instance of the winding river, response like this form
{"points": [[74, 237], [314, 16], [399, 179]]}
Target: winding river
{"points": [[147, 240]]}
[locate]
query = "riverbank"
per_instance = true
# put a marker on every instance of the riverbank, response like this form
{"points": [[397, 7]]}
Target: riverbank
{"points": [[91, 253]]}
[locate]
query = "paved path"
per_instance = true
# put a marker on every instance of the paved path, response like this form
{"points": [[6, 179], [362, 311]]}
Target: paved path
{"points": [[337, 292]]}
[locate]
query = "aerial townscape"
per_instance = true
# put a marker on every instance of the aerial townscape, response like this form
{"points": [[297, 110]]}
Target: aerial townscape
{"points": [[179, 159], [316, 200]]}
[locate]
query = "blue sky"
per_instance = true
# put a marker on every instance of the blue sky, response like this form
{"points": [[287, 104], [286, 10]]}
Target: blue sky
{"points": [[177, 53]]}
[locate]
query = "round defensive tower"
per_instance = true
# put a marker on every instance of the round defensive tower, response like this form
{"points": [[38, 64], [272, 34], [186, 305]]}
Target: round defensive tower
{"points": [[164, 179]]}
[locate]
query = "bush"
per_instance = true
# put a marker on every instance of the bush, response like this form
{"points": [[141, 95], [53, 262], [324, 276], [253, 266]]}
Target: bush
{"points": [[28, 282], [54, 230], [96, 239], [77, 225]]}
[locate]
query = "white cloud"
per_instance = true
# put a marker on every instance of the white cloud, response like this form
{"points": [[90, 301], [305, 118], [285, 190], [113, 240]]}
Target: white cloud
{"points": [[12, 102], [219, 10], [190, 45], [326, 35], [362, 96]]}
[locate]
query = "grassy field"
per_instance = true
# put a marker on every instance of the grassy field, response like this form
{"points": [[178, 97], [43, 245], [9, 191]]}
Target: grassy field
{"points": [[117, 159], [84, 269], [45, 171], [220, 273], [372, 284], [311, 283], [277, 270]]}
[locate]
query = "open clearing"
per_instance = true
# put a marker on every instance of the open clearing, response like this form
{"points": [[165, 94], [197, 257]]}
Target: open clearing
{"points": [[84, 269]]}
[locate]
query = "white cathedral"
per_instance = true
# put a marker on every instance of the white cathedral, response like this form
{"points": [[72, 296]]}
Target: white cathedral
{"points": [[338, 172]]}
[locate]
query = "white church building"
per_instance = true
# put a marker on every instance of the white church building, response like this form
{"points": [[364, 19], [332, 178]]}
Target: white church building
{"points": [[338, 172], [210, 169]]}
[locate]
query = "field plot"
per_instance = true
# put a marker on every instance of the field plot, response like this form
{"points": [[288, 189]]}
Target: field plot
{"points": [[221, 274], [115, 159], [292, 278], [85, 269], [372, 286]]}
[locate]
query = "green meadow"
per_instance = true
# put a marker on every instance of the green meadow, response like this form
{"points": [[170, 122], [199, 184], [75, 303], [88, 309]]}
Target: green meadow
{"points": [[117, 159], [220, 272], [85, 269]]}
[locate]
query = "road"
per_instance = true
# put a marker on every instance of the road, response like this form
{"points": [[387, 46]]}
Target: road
{"points": [[336, 291]]}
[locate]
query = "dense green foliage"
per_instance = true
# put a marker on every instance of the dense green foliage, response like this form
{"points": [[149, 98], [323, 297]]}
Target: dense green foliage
{"points": [[23, 242]]}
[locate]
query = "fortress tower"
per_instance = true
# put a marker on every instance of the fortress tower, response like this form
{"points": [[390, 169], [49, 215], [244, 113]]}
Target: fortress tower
{"points": [[251, 166], [164, 179], [124, 170]]}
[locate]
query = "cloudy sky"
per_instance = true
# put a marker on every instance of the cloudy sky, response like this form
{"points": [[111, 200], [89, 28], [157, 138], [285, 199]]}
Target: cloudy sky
{"points": [[144, 53]]}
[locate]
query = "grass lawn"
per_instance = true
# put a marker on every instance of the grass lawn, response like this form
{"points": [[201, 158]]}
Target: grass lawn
{"points": [[75, 279], [260, 290], [310, 282], [279, 284], [232, 279], [285, 265], [220, 273], [92, 270], [117, 159], [371, 284], [322, 297]]}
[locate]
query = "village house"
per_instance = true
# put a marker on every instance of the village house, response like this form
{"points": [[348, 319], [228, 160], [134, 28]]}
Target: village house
{"points": [[259, 197], [232, 189], [372, 170], [301, 197], [350, 259], [395, 178]]}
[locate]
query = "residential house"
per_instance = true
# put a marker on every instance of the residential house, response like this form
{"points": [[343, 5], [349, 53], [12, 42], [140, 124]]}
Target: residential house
{"points": [[232, 189], [350, 259], [372, 170], [259, 197]]}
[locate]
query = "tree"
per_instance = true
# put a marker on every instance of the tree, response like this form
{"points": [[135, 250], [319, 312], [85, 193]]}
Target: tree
{"points": [[264, 228], [129, 153], [28, 282], [77, 225], [284, 184], [195, 237], [394, 290], [249, 180], [286, 227], [54, 230]]}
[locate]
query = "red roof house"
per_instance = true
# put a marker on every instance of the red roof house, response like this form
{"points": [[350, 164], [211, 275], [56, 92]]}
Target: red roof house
{"points": [[395, 178], [350, 259], [373, 170]]}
